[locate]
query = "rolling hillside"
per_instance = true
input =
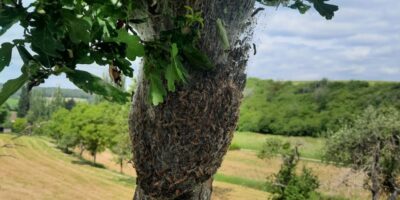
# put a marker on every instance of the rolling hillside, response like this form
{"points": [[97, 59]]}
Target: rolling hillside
{"points": [[310, 108], [32, 167]]}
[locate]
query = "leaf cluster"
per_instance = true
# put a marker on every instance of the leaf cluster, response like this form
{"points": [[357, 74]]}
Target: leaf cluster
{"points": [[61, 34], [165, 56], [324, 9]]}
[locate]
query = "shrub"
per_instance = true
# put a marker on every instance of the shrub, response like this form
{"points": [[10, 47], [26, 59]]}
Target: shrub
{"points": [[301, 187], [286, 185], [233, 147], [19, 125], [272, 147]]}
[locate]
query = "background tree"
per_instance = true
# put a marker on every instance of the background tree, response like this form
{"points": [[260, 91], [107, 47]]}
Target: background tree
{"points": [[57, 101], [64, 127], [286, 184], [70, 103], [3, 114], [20, 125], [23, 102], [372, 145], [179, 132], [39, 109], [122, 149], [87, 127], [120, 144]]}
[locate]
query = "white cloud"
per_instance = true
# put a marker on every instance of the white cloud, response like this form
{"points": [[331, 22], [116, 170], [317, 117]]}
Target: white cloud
{"points": [[390, 70], [369, 37], [362, 38], [357, 53]]}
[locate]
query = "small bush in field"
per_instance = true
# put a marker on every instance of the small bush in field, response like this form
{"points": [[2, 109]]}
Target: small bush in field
{"points": [[19, 125], [273, 147], [286, 184], [233, 147], [300, 187]]}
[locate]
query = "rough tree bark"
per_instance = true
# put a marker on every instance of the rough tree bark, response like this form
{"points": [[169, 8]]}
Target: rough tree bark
{"points": [[179, 145], [394, 194], [374, 175], [392, 187]]}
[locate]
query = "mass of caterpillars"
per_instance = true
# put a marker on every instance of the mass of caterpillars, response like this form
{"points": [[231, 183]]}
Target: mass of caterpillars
{"points": [[115, 74]]}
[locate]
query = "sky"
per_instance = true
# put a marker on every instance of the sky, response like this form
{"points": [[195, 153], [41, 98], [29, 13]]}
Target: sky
{"points": [[362, 42]]}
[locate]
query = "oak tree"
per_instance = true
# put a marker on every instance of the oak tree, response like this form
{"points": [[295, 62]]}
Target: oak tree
{"points": [[23, 102], [185, 107], [371, 145]]}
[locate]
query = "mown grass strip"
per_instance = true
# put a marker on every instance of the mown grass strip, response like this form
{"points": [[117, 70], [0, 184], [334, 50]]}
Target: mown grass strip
{"points": [[309, 147], [254, 184]]}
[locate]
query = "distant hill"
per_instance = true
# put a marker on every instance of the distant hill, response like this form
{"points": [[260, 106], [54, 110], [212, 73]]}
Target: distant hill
{"points": [[48, 92], [310, 107]]}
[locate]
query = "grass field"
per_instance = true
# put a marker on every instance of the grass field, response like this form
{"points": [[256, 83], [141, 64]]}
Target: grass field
{"points": [[32, 166], [309, 147], [244, 168], [12, 102]]}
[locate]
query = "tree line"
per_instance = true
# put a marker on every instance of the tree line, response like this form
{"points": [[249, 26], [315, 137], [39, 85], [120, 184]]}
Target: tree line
{"points": [[49, 91], [310, 108], [75, 126]]}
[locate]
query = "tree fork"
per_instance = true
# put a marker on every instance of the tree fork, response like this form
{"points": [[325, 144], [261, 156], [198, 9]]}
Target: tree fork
{"points": [[179, 145]]}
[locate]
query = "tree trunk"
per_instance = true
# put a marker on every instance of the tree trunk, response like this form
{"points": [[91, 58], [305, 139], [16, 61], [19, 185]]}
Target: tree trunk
{"points": [[394, 195], [94, 159], [375, 188], [392, 187], [179, 145], [121, 166], [200, 192], [81, 151]]}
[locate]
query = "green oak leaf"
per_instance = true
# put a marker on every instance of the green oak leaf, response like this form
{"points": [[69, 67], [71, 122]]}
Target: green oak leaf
{"points": [[24, 54], [85, 59], [157, 90], [174, 50], [174, 71], [197, 58], [45, 41], [223, 34], [93, 84], [171, 77], [299, 5], [12, 86], [79, 30], [8, 17], [5, 55], [324, 9], [124, 65], [133, 46]]}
